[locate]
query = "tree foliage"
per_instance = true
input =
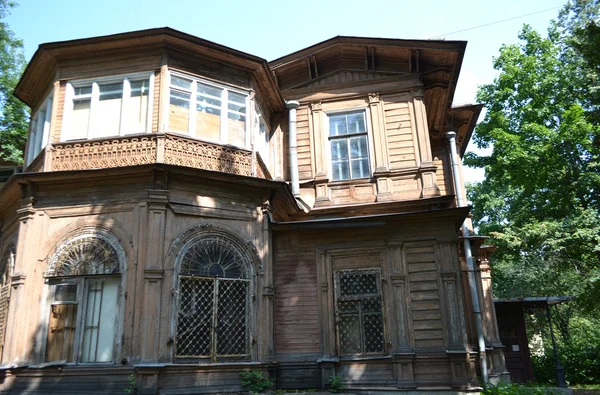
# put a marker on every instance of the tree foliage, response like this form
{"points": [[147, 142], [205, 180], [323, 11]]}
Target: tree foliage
{"points": [[13, 113], [539, 201]]}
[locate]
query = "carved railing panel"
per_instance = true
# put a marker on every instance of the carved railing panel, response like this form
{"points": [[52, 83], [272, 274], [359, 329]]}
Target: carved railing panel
{"points": [[117, 152], [186, 152], [146, 149]]}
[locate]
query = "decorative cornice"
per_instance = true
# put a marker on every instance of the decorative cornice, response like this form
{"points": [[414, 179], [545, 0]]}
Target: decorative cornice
{"points": [[373, 97], [417, 92]]}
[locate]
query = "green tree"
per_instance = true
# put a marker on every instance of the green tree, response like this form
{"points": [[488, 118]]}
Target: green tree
{"points": [[539, 200], [14, 115]]}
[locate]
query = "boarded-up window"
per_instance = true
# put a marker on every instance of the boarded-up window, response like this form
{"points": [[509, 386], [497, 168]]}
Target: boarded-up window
{"points": [[359, 312], [84, 279], [213, 310]]}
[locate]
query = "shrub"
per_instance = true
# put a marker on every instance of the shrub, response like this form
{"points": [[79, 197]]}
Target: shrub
{"points": [[512, 389], [255, 381], [335, 384]]}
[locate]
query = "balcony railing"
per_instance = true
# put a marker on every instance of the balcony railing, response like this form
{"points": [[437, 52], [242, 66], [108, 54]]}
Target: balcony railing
{"points": [[145, 149]]}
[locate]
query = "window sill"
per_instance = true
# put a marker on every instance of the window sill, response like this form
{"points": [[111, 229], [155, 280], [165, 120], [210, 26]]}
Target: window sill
{"points": [[354, 181], [348, 358]]}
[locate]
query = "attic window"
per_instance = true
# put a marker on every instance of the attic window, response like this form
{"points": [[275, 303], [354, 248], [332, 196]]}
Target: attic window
{"points": [[40, 129], [208, 111]]}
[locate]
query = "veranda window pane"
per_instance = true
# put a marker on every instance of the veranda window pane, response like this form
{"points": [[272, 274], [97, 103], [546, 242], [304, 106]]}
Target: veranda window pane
{"points": [[209, 90], [337, 125], [356, 122], [208, 113], [179, 116], [181, 82], [236, 125], [83, 90], [100, 320], [80, 117], [237, 97], [108, 114], [137, 108]]}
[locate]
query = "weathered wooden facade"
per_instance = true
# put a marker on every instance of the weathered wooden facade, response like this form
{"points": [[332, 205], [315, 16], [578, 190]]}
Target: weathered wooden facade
{"points": [[189, 211]]}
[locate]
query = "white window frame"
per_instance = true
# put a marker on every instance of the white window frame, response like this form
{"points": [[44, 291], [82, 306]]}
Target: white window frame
{"points": [[67, 134], [39, 129], [262, 142], [82, 283], [327, 141], [224, 117], [48, 294]]}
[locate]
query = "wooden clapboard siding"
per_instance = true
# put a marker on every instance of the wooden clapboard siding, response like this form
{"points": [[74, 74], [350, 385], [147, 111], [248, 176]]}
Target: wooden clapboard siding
{"points": [[401, 148], [304, 144], [295, 307], [364, 374], [60, 110], [424, 295], [442, 175], [93, 67], [156, 103]]}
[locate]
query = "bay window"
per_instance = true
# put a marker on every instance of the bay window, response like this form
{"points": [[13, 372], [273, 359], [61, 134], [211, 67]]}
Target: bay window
{"points": [[348, 144], [108, 107], [208, 111]]}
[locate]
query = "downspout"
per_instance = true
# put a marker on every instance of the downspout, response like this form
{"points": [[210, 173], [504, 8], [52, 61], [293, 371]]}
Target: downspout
{"points": [[451, 136], [292, 105]]}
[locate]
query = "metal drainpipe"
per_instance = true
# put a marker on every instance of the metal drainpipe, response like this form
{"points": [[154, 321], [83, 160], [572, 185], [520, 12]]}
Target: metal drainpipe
{"points": [[451, 136], [292, 105]]}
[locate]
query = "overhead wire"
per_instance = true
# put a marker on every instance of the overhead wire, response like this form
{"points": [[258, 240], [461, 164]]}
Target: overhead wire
{"points": [[494, 23]]}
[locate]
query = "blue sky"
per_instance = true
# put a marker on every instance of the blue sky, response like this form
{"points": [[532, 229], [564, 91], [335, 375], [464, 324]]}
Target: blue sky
{"points": [[271, 29]]}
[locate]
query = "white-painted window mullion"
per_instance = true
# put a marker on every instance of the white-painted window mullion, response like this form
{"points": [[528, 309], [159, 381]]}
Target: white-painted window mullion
{"points": [[92, 123], [125, 119], [150, 103], [192, 120], [224, 116], [46, 134]]}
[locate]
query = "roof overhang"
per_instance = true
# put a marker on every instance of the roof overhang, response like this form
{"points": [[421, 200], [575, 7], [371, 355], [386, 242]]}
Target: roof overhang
{"points": [[434, 63], [536, 302], [463, 120], [42, 66]]}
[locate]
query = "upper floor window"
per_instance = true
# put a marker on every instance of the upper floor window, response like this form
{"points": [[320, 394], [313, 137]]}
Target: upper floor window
{"points": [[207, 110], [108, 107], [348, 143], [40, 129]]}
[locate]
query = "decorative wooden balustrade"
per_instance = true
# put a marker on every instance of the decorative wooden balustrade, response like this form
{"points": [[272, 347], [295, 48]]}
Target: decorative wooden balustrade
{"points": [[144, 149]]}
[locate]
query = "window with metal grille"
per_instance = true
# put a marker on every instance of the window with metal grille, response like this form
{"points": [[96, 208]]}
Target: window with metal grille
{"points": [[6, 268], [84, 296], [359, 312], [213, 301]]}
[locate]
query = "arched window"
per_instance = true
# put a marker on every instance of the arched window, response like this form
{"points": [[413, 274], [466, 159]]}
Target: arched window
{"points": [[213, 300], [84, 278], [6, 268]]}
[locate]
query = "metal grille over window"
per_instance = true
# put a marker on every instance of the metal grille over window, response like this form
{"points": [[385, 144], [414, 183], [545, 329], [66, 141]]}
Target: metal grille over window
{"points": [[213, 310], [359, 314], [85, 255]]}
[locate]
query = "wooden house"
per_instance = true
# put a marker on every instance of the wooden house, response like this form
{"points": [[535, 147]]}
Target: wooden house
{"points": [[188, 211]]}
